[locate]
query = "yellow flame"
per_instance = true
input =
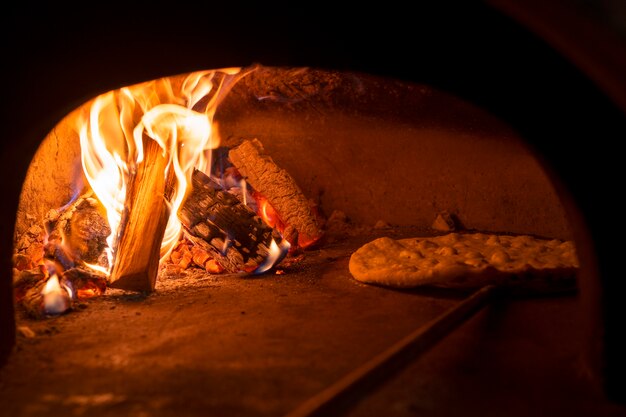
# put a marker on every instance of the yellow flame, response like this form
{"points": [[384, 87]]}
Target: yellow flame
{"points": [[177, 114], [56, 299], [96, 267], [244, 191]]}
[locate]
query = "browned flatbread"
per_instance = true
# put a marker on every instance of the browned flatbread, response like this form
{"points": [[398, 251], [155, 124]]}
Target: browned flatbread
{"points": [[463, 260]]}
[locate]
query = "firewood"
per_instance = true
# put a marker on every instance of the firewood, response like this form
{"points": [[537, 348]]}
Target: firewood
{"points": [[29, 284], [279, 188], [32, 301], [24, 280], [38, 305], [22, 262], [225, 228], [77, 234], [143, 224], [85, 283]]}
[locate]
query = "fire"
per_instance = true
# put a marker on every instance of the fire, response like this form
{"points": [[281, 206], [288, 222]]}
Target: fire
{"points": [[56, 298], [88, 291], [268, 214], [177, 114], [276, 253], [271, 217]]}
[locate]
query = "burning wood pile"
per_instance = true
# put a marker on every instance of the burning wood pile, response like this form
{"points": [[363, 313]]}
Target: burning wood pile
{"points": [[163, 196]]}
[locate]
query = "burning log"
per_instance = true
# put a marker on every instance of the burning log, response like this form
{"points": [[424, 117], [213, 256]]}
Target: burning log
{"points": [[280, 190], [47, 297], [77, 234], [143, 224], [26, 279], [223, 227], [85, 283], [32, 300], [40, 295]]}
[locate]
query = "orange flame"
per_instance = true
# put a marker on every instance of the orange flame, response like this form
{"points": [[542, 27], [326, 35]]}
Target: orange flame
{"points": [[268, 213], [88, 291], [177, 115]]}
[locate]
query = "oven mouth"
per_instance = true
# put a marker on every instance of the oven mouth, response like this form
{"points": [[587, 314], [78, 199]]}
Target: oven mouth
{"points": [[377, 168]]}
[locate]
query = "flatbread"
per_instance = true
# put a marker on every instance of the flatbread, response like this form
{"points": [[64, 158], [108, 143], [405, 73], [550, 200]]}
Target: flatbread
{"points": [[465, 260]]}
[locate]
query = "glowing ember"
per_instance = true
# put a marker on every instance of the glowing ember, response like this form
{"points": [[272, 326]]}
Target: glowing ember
{"points": [[56, 298], [88, 291], [177, 115]]}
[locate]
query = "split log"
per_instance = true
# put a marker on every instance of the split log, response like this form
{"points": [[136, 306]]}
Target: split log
{"points": [[143, 224], [279, 188], [223, 226]]}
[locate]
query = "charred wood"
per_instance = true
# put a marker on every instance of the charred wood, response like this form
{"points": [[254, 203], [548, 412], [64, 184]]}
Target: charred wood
{"points": [[85, 282], [82, 282], [280, 190], [223, 227], [26, 279], [77, 234], [32, 301]]}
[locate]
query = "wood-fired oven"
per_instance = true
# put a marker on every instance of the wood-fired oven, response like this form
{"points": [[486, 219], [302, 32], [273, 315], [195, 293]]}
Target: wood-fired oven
{"points": [[496, 113]]}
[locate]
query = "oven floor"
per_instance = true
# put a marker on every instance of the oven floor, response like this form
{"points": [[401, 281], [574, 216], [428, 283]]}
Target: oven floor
{"points": [[233, 346]]}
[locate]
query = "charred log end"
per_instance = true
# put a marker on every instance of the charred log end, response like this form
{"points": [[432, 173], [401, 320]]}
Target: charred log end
{"points": [[223, 227]]}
